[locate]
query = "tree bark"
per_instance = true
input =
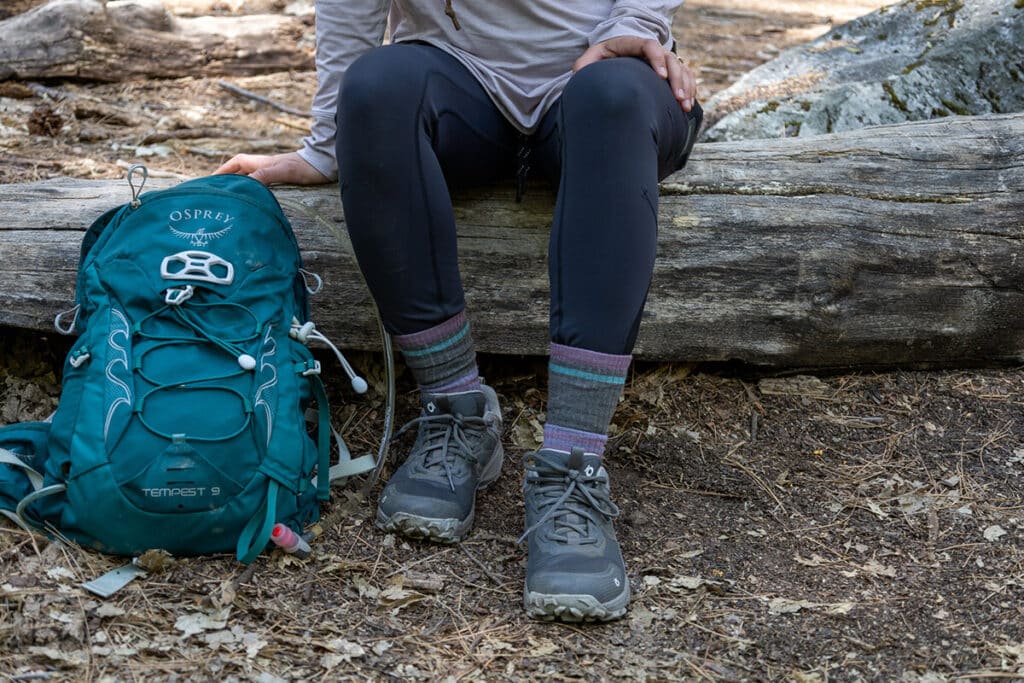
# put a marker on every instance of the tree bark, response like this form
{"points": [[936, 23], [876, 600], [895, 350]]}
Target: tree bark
{"points": [[891, 245], [85, 39]]}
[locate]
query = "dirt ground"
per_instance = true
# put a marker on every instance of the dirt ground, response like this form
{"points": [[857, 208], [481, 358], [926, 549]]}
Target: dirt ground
{"points": [[863, 526]]}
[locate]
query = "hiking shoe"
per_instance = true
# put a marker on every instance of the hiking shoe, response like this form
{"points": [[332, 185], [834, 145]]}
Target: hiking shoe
{"points": [[457, 452], [574, 569]]}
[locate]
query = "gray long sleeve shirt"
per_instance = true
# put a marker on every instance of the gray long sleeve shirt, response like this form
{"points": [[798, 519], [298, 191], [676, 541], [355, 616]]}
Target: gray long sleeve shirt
{"points": [[520, 51]]}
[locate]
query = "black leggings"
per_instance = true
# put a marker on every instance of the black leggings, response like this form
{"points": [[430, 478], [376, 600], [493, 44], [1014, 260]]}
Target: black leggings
{"points": [[412, 121]]}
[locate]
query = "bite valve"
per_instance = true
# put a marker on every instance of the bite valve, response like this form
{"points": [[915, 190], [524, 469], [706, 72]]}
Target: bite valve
{"points": [[289, 541], [359, 385]]}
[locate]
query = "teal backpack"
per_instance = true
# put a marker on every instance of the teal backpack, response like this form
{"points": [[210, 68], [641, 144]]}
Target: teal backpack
{"points": [[184, 418]]}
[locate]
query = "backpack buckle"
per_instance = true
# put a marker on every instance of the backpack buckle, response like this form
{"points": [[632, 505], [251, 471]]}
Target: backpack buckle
{"points": [[176, 296], [79, 356], [312, 368]]}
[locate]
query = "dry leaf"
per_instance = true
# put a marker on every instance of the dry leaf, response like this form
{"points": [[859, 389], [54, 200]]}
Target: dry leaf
{"points": [[815, 561], [840, 607], [687, 582], [365, 588], [876, 568], [154, 561], [253, 644], [58, 573], [395, 597], [876, 509], [108, 610], [72, 657], [787, 606], [106, 651], [215, 639], [1012, 650], [994, 533], [197, 622], [528, 434], [808, 677], [341, 651], [224, 595], [542, 648]]}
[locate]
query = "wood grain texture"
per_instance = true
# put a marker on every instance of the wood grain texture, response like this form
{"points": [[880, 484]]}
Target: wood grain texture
{"points": [[897, 244]]}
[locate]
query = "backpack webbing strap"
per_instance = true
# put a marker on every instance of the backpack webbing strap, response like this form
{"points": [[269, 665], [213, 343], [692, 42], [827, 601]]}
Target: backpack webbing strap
{"points": [[17, 520], [25, 522], [11, 458], [323, 440], [256, 534], [347, 465]]}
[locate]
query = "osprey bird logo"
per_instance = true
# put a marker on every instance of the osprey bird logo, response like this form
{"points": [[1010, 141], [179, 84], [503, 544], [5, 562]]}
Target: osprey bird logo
{"points": [[199, 238]]}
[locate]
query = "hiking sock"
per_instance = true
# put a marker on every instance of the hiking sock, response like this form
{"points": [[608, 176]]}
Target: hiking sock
{"points": [[583, 391], [442, 358]]}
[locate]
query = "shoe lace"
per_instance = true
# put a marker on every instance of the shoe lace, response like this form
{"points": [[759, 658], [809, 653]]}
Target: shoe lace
{"points": [[443, 438], [572, 500]]}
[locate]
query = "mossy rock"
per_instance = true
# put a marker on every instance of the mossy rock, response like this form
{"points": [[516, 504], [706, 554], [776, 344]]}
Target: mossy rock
{"points": [[915, 60]]}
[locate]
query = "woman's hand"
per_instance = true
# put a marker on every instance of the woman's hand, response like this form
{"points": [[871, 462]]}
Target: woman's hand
{"points": [[279, 169], [663, 61]]}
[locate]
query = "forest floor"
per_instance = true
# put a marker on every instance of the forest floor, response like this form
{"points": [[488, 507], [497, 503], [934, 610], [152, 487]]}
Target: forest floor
{"points": [[861, 526]]}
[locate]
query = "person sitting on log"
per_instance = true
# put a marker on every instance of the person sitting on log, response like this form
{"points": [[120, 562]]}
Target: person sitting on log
{"points": [[591, 95]]}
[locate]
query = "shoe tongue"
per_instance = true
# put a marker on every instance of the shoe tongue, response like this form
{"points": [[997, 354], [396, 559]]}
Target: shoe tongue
{"points": [[467, 404], [588, 464]]}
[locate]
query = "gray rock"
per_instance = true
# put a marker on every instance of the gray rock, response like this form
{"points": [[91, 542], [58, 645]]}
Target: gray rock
{"points": [[911, 61]]}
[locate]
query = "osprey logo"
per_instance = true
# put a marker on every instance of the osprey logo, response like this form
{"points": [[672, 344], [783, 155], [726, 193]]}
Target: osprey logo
{"points": [[195, 226]]}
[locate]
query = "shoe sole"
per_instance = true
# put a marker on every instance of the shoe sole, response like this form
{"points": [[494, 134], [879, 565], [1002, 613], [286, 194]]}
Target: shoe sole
{"points": [[574, 608], [442, 530]]}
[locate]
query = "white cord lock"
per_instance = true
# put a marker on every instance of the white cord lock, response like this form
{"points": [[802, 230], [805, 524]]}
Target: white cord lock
{"points": [[176, 296]]}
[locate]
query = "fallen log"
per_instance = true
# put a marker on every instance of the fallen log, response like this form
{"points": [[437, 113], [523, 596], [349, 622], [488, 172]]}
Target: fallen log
{"points": [[899, 244], [90, 40]]}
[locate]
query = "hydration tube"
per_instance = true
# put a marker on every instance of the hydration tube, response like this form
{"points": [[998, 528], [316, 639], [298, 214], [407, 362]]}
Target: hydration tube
{"points": [[389, 360]]}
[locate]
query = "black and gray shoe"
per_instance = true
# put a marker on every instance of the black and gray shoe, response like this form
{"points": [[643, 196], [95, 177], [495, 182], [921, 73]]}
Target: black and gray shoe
{"points": [[574, 570], [457, 452]]}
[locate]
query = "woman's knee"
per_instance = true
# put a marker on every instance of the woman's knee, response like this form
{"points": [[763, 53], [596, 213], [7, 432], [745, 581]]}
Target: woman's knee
{"points": [[611, 89], [382, 80]]}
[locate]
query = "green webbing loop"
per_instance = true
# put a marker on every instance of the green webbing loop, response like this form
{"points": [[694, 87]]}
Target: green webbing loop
{"points": [[256, 534], [323, 440]]}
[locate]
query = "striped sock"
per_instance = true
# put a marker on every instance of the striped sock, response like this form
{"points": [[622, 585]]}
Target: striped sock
{"points": [[583, 390], [442, 359]]}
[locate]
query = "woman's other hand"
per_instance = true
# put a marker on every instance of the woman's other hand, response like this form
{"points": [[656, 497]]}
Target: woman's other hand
{"points": [[664, 62], [279, 169]]}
